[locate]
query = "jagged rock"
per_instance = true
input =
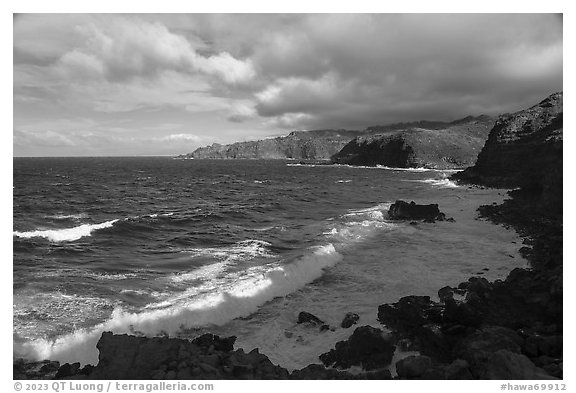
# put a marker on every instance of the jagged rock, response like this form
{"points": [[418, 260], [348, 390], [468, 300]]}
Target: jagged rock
{"points": [[316, 371], [445, 293], [306, 317], [409, 313], [413, 366], [67, 370], [402, 210], [458, 369], [45, 369], [225, 344], [504, 364], [349, 320], [130, 357], [524, 149], [367, 347]]}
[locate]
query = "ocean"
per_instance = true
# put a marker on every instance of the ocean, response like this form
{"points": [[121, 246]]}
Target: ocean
{"points": [[160, 246]]}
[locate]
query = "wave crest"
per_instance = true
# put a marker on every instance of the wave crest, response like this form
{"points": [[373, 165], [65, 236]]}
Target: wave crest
{"points": [[66, 234], [240, 299]]}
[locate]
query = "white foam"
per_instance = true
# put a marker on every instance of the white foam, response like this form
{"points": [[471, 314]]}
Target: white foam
{"points": [[69, 216], [243, 250], [66, 234], [440, 183], [240, 299], [358, 224], [420, 169]]}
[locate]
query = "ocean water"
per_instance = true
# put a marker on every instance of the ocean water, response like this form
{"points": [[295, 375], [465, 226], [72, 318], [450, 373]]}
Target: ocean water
{"points": [[181, 247]]}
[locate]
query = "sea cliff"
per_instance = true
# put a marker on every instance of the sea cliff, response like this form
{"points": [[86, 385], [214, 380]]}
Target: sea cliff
{"points": [[454, 146], [301, 145]]}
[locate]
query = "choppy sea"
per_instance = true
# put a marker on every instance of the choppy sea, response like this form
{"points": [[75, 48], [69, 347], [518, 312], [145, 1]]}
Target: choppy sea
{"points": [[162, 246]]}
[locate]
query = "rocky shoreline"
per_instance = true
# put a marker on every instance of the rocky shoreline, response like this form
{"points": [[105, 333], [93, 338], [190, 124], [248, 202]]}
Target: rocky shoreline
{"points": [[506, 329]]}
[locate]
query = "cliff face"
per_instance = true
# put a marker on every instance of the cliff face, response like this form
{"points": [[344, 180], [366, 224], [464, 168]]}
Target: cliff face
{"points": [[524, 149], [323, 144], [454, 146], [304, 145]]}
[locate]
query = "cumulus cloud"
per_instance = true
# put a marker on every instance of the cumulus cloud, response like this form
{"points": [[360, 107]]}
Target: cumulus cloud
{"points": [[366, 69], [234, 76], [119, 48]]}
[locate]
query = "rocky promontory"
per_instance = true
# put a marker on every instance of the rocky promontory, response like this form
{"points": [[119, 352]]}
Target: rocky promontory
{"points": [[455, 146], [524, 149], [301, 145], [433, 143]]}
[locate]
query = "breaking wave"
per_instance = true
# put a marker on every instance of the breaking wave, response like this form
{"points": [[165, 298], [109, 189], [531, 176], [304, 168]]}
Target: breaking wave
{"points": [[65, 234], [240, 298]]}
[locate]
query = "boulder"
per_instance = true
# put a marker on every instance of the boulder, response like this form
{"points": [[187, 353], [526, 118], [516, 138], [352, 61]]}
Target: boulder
{"points": [[367, 347], [458, 369], [413, 366], [67, 370], [207, 340], [402, 210], [306, 317], [349, 320], [45, 369], [409, 313], [504, 364], [206, 357]]}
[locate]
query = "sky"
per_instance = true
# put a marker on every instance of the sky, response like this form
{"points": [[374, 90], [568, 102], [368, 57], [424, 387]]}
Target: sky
{"points": [[165, 84]]}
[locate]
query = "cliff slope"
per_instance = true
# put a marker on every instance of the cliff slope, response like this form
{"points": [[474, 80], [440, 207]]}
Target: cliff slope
{"points": [[524, 149], [304, 145], [453, 146]]}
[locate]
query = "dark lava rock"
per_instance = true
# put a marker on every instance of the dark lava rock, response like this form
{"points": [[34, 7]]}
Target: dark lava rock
{"points": [[45, 369], [207, 340], [458, 369], [412, 211], [316, 371], [367, 347], [413, 366], [67, 370], [306, 317], [131, 357], [504, 364], [445, 293], [409, 313], [349, 320]]}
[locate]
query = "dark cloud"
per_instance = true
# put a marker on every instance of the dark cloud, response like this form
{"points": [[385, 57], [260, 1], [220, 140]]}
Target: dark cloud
{"points": [[378, 68], [255, 74]]}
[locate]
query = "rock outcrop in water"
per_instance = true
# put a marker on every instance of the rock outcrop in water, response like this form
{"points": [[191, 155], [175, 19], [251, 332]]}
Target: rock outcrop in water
{"points": [[401, 210], [455, 146]]}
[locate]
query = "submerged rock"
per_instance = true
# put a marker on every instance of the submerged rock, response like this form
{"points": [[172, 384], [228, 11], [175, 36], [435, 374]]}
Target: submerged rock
{"points": [[349, 320], [306, 317]]}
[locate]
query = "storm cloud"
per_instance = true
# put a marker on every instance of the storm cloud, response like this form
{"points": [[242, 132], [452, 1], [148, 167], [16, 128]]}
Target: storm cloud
{"points": [[232, 77]]}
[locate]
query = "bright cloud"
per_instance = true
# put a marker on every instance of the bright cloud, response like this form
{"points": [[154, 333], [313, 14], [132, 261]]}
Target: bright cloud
{"points": [[228, 77]]}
